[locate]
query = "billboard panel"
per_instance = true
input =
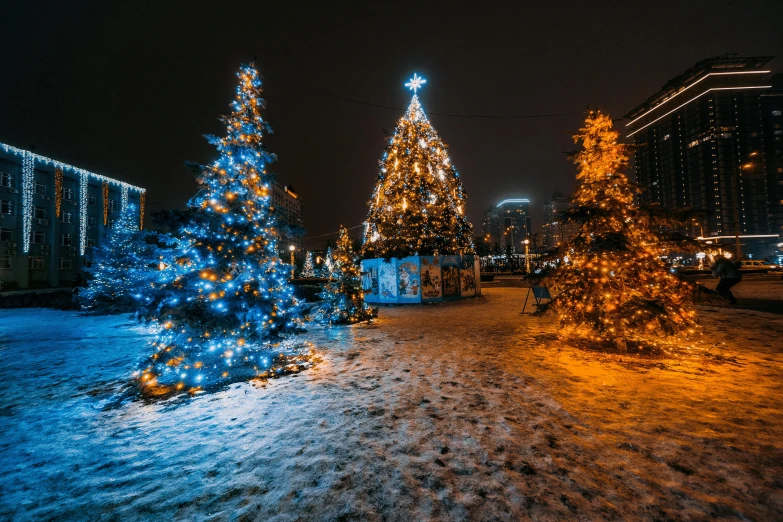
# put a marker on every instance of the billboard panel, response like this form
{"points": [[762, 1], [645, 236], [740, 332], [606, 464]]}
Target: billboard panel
{"points": [[431, 289], [408, 280]]}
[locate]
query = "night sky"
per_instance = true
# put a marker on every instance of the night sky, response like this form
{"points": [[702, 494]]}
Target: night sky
{"points": [[127, 89]]}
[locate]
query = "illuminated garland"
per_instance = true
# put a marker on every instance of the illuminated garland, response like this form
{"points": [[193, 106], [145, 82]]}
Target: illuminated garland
{"points": [[105, 203], [123, 199], [83, 201], [58, 191], [142, 202], [28, 183]]}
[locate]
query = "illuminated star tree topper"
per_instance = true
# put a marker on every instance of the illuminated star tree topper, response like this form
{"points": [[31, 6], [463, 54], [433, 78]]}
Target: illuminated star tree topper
{"points": [[415, 83]]}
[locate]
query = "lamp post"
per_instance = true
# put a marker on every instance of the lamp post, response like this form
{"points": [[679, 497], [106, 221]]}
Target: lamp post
{"points": [[292, 248], [527, 255]]}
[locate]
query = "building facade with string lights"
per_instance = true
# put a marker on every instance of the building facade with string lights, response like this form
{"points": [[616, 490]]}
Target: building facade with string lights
{"points": [[51, 215], [711, 141], [508, 223]]}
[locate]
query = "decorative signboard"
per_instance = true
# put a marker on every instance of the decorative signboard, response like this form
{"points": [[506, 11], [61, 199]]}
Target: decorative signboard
{"points": [[387, 280], [449, 270], [467, 274], [431, 287], [369, 272], [420, 279], [408, 280]]}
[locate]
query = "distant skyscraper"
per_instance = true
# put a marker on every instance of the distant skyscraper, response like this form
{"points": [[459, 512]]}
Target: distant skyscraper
{"points": [[555, 231], [712, 139], [508, 223]]}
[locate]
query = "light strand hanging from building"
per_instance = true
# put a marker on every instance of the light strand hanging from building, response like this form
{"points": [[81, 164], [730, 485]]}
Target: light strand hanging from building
{"points": [[105, 203], [123, 200], [58, 191], [83, 200], [142, 201], [28, 182]]}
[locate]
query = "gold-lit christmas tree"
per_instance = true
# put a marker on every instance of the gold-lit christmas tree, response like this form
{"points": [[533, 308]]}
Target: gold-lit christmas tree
{"points": [[610, 282], [418, 205]]}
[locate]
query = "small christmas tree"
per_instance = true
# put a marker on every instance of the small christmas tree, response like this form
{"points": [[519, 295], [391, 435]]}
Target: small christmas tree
{"points": [[224, 304], [418, 205], [308, 270], [326, 267], [612, 284], [122, 264], [342, 298]]}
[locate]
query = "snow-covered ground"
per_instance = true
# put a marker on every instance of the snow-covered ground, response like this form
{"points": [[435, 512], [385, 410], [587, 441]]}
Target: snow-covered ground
{"points": [[463, 410]]}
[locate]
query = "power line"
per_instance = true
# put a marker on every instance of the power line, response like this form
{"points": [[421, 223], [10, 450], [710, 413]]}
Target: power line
{"points": [[333, 233], [451, 115]]}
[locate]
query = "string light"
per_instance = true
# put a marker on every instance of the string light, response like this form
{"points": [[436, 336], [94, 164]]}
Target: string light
{"points": [[142, 203], [58, 191], [28, 185], [83, 200], [105, 203]]}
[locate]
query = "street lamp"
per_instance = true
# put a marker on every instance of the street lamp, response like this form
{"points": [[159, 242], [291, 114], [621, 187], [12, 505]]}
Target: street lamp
{"points": [[527, 255], [292, 248]]}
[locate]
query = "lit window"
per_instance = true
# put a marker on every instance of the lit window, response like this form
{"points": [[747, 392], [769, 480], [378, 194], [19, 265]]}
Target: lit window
{"points": [[35, 262], [776, 113], [5, 262], [65, 263], [40, 188]]}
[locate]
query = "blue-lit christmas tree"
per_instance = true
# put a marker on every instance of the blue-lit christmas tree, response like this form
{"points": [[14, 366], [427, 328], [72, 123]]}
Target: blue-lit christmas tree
{"points": [[125, 261], [225, 306], [342, 301]]}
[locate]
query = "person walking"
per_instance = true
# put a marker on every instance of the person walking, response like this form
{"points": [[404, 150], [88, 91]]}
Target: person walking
{"points": [[729, 275]]}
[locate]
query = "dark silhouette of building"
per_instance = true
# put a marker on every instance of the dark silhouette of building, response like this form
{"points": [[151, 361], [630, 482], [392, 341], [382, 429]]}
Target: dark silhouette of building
{"points": [[712, 140], [508, 223], [555, 231]]}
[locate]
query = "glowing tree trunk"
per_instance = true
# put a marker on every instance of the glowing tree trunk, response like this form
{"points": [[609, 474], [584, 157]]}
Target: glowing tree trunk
{"points": [[418, 205], [225, 299], [611, 282]]}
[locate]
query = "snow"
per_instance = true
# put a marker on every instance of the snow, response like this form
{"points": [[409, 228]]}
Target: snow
{"points": [[460, 410]]}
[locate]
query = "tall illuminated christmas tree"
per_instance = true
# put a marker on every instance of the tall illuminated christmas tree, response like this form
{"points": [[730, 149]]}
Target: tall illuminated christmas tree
{"points": [[418, 205], [308, 270], [225, 300], [342, 301], [612, 283]]}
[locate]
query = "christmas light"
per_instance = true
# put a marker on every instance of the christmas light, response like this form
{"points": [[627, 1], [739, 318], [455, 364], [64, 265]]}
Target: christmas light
{"points": [[58, 191], [105, 193], [28, 184]]}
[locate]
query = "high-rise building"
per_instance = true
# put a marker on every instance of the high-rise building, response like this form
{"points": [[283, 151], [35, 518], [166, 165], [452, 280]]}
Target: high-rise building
{"points": [[51, 215], [508, 223], [555, 230], [711, 140], [288, 211]]}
